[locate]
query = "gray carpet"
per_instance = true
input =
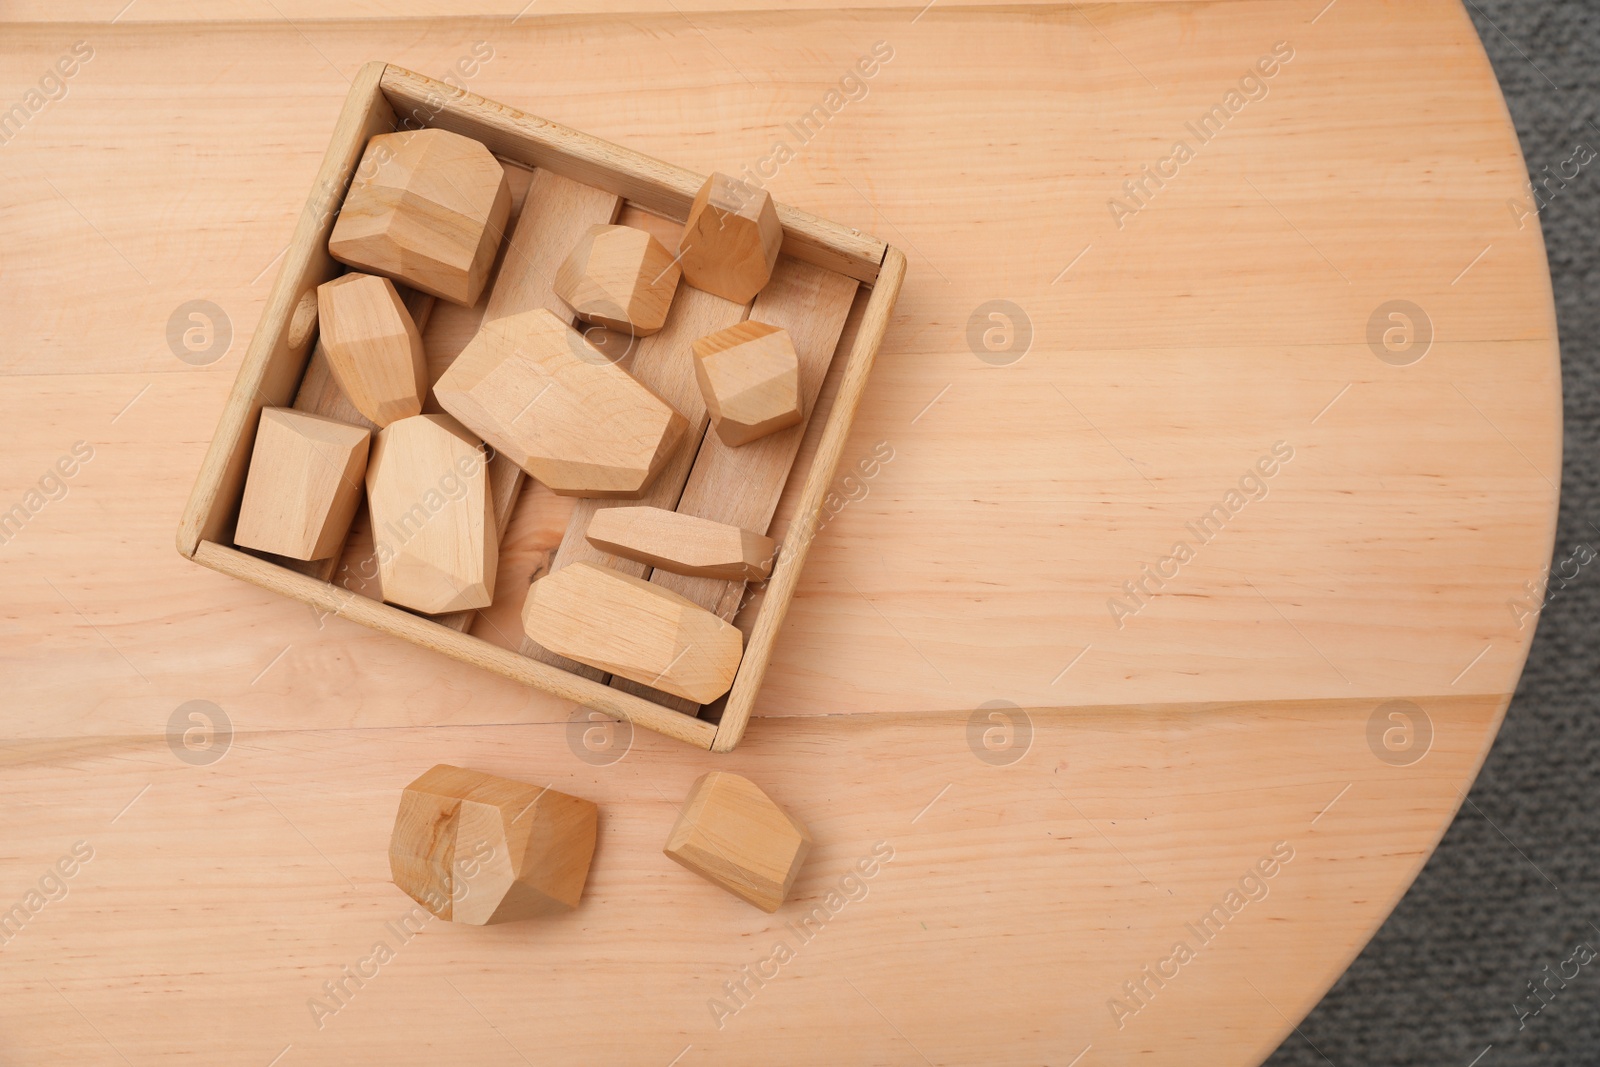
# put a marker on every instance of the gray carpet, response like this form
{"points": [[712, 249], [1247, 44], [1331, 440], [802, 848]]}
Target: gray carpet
{"points": [[1515, 885]]}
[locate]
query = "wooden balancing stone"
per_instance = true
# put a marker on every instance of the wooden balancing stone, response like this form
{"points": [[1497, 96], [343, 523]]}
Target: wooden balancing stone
{"points": [[682, 544], [730, 242], [473, 848], [304, 484], [373, 346], [428, 207], [750, 377], [537, 391], [624, 625], [730, 833], [433, 525], [621, 278]]}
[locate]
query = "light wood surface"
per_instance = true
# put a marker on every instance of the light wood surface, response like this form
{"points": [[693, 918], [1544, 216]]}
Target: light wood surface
{"points": [[1164, 760]]}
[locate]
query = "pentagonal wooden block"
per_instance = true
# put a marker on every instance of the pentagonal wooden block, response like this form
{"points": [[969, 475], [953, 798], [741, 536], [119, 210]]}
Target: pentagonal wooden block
{"points": [[537, 391], [617, 623], [303, 486], [373, 346], [750, 377], [731, 240], [731, 833], [427, 207], [432, 520], [683, 544], [620, 278], [474, 848]]}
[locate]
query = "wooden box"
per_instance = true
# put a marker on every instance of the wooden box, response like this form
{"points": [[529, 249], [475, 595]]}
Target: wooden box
{"points": [[275, 373]]}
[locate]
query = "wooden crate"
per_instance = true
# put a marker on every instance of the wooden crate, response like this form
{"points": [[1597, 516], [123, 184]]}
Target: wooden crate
{"points": [[274, 373]]}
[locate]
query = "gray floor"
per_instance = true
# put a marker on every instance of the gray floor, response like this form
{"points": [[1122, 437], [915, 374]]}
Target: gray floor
{"points": [[1515, 885]]}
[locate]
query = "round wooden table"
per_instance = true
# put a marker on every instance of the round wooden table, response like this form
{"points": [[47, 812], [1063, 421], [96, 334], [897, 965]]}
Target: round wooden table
{"points": [[1223, 402]]}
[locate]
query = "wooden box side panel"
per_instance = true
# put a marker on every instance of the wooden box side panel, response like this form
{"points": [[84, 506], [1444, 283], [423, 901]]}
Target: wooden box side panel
{"points": [[654, 185], [797, 541], [271, 370]]}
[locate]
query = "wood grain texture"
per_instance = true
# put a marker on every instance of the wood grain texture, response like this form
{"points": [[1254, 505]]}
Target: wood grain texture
{"points": [[1174, 753]]}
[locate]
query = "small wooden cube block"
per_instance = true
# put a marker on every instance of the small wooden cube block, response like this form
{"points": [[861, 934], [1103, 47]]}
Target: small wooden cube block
{"points": [[750, 377], [731, 833], [373, 346], [537, 391], [731, 240], [683, 544], [433, 522], [621, 278], [478, 849], [428, 207], [303, 486], [624, 625]]}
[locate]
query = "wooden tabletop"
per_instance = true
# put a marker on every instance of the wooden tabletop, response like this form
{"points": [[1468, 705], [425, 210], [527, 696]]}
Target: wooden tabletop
{"points": [[1315, 347]]}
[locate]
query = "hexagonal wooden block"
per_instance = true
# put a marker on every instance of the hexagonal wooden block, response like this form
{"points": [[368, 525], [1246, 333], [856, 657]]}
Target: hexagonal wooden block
{"points": [[624, 625], [303, 486], [750, 377], [731, 833], [537, 391], [682, 544], [620, 278], [478, 849], [373, 346], [432, 517], [428, 207], [731, 240]]}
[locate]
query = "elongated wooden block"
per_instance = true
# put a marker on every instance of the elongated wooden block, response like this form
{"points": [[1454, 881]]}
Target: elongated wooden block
{"points": [[373, 347], [432, 524], [683, 544], [303, 486], [537, 391], [478, 849], [428, 207], [731, 240], [729, 832], [621, 278], [622, 624]]}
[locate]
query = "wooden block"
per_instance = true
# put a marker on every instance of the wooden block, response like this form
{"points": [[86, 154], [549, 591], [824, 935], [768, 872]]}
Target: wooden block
{"points": [[621, 278], [373, 347], [433, 529], [731, 833], [537, 391], [682, 544], [303, 486], [428, 207], [741, 486], [750, 378], [624, 625], [731, 240], [474, 848]]}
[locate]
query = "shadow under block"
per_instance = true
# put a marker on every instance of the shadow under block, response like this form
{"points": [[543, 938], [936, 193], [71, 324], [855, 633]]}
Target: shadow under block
{"points": [[730, 833], [303, 485], [432, 526], [427, 207], [373, 347], [682, 544], [624, 625], [731, 240], [741, 485], [621, 278], [477, 849], [535, 389], [750, 378]]}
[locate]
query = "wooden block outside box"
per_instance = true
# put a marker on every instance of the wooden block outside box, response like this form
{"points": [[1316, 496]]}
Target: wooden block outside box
{"points": [[373, 347], [626, 626], [683, 544], [731, 240], [303, 485], [620, 278], [432, 521], [731, 833], [750, 377], [427, 207], [478, 849], [537, 391]]}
